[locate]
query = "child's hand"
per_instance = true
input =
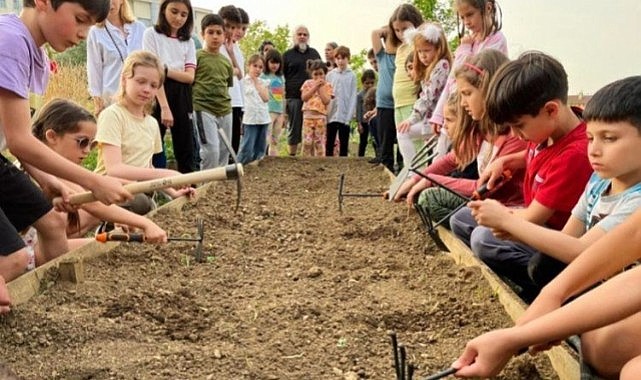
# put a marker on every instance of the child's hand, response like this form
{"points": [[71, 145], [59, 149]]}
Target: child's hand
{"points": [[109, 190], [436, 128], [467, 39], [486, 355], [166, 117], [360, 128], [490, 213], [403, 126]]}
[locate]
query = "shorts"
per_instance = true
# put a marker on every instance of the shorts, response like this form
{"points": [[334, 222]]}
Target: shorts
{"points": [[22, 203], [295, 121]]}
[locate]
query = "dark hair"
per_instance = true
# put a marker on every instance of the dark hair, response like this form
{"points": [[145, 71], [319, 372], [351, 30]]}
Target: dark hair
{"points": [[162, 25], [524, 85], [316, 64], [230, 13], [404, 12], [370, 53], [492, 22], [618, 101], [369, 99], [273, 55], [98, 9], [244, 17], [342, 51], [211, 19], [368, 74], [263, 44], [61, 116]]}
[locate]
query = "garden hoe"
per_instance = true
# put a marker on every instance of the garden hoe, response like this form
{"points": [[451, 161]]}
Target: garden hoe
{"points": [[426, 218], [341, 194], [423, 157], [140, 238]]}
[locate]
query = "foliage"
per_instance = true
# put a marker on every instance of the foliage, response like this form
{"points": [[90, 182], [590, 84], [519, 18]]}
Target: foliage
{"points": [[76, 55], [259, 32]]}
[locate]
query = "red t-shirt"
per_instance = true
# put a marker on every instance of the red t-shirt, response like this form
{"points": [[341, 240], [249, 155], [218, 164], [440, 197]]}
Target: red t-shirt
{"points": [[556, 175]]}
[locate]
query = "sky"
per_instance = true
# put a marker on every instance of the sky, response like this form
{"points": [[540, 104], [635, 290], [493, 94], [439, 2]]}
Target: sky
{"points": [[597, 43]]}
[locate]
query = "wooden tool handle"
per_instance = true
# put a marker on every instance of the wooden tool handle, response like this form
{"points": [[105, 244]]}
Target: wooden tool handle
{"points": [[216, 174]]}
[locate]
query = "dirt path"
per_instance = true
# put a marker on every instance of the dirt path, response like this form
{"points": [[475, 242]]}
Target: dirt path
{"points": [[291, 289]]}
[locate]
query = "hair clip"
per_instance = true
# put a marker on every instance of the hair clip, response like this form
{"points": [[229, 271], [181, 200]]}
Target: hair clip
{"points": [[431, 33], [409, 34], [478, 70]]}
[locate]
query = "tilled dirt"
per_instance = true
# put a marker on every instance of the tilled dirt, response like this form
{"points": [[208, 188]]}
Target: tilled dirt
{"points": [[290, 289]]}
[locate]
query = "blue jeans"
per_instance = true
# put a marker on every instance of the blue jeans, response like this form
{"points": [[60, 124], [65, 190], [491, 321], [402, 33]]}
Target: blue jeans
{"points": [[253, 144]]}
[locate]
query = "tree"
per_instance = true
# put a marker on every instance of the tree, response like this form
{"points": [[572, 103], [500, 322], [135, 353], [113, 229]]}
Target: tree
{"points": [[259, 32]]}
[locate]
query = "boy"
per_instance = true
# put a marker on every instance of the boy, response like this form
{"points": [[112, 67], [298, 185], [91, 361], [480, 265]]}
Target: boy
{"points": [[529, 95], [343, 106], [233, 28], [368, 78], [371, 58], [612, 350], [62, 24], [212, 102]]}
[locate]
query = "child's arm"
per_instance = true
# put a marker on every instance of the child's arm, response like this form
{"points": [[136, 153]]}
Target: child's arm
{"points": [[15, 117], [611, 302], [324, 92], [263, 92], [495, 169], [229, 47], [563, 245], [187, 76], [94, 71], [307, 90], [378, 35]]}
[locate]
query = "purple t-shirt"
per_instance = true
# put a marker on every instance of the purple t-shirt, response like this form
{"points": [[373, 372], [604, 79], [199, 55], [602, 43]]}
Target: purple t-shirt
{"points": [[25, 66]]}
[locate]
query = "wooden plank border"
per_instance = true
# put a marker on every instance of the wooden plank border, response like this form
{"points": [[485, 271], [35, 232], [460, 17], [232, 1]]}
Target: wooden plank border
{"points": [[564, 361], [31, 283]]}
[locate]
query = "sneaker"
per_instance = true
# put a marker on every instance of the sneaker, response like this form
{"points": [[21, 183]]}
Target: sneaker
{"points": [[105, 227]]}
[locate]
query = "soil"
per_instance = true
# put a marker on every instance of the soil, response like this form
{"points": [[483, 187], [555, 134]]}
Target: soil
{"points": [[290, 288]]}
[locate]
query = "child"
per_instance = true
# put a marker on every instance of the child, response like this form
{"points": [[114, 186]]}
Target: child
{"points": [[108, 44], [371, 58], [530, 96], [68, 129], [343, 83], [368, 78], [476, 139], [128, 135], [233, 28], [384, 47], [482, 18], [256, 117], [212, 103], [611, 195], [431, 64], [404, 89], [26, 69], [274, 74], [316, 94], [170, 39]]}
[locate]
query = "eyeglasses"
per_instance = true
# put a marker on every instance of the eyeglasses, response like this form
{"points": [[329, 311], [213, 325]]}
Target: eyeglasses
{"points": [[84, 142]]}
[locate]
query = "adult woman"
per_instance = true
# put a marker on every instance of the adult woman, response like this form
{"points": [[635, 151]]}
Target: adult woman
{"points": [[108, 44]]}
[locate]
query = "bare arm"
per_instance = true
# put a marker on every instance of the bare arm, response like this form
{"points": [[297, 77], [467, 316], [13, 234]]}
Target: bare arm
{"points": [[187, 76]]}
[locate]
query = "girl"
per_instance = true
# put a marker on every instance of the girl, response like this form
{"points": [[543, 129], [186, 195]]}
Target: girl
{"points": [[482, 20], [69, 130], [128, 135], [316, 94], [431, 65], [256, 116], [474, 137], [404, 88], [274, 74], [108, 44], [170, 39]]}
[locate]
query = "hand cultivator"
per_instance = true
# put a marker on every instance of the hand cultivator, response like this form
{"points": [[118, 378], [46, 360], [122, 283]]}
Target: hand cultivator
{"points": [[426, 218], [423, 157], [140, 238], [341, 194]]}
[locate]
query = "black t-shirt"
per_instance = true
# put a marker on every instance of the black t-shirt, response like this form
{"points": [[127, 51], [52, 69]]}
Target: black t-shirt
{"points": [[295, 70]]}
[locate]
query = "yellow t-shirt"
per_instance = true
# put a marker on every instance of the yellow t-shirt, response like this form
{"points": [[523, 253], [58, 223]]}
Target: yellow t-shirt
{"points": [[404, 89], [138, 138]]}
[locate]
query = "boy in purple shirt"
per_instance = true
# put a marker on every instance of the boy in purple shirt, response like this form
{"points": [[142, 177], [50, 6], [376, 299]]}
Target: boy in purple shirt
{"points": [[25, 69]]}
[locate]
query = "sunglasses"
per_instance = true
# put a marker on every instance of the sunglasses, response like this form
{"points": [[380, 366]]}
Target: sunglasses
{"points": [[84, 142]]}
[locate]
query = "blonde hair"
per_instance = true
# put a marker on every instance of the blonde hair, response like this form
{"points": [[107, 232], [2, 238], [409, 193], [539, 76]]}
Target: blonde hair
{"points": [[139, 58], [125, 13], [426, 34]]}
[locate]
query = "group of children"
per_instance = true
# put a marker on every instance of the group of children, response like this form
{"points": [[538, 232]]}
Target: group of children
{"points": [[562, 222]]}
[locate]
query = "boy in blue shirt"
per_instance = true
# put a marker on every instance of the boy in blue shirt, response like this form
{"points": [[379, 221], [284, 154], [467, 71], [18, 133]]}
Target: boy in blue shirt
{"points": [[25, 69]]}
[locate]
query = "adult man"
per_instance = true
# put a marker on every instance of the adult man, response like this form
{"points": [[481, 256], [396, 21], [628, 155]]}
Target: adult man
{"points": [[295, 71]]}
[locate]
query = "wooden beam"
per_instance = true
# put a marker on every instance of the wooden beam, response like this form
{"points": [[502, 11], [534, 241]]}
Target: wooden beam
{"points": [[564, 360]]}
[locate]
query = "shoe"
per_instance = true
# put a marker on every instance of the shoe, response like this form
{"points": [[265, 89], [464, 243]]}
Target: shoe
{"points": [[374, 161], [105, 227]]}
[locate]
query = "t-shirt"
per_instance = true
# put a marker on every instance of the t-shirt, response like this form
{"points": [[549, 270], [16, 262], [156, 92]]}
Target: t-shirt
{"points": [[25, 66], [138, 138], [556, 175], [404, 89], [596, 208], [386, 69], [315, 103], [343, 106], [213, 78], [295, 70], [176, 54], [256, 111], [276, 92]]}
